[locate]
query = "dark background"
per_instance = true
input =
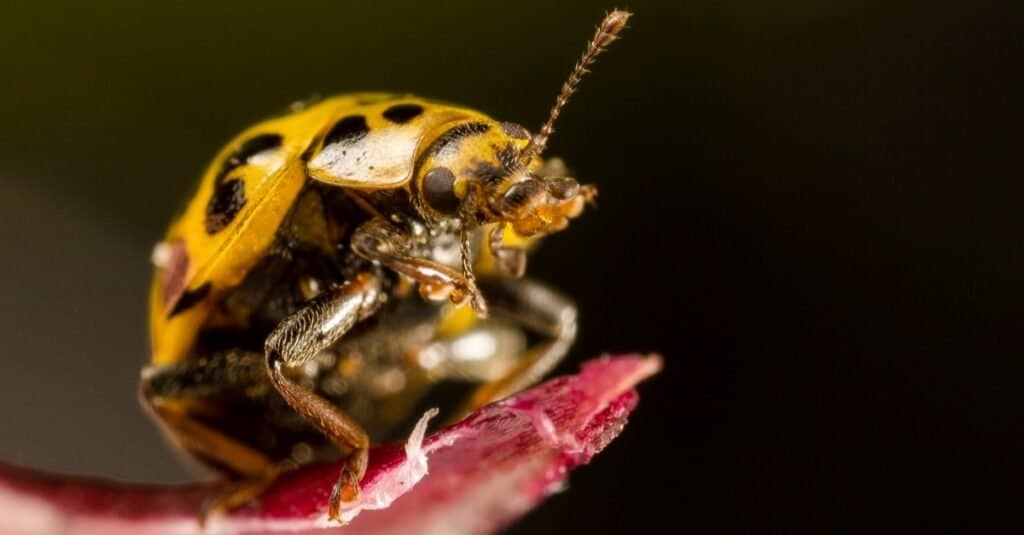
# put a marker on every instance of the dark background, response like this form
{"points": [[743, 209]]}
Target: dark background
{"points": [[813, 210]]}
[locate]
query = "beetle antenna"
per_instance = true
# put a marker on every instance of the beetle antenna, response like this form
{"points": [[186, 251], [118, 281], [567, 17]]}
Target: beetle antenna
{"points": [[476, 301], [607, 33]]}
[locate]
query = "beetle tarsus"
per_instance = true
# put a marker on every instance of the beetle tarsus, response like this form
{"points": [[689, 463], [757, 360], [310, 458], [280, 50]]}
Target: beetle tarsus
{"points": [[346, 490]]}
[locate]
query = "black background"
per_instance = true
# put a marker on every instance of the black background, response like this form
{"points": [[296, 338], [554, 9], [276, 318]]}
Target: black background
{"points": [[812, 210]]}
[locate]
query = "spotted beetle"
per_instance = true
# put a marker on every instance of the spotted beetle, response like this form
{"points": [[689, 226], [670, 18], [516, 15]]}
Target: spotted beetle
{"points": [[284, 321]]}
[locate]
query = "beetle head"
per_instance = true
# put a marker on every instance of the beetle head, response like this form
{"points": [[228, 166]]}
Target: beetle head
{"points": [[477, 172], [487, 172]]}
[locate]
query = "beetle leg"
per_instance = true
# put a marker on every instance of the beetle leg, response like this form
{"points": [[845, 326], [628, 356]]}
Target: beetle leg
{"points": [[203, 377], [300, 337], [167, 390], [539, 309], [378, 241]]}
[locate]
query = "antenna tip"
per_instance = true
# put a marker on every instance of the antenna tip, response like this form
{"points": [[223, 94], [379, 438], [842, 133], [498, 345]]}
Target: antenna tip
{"points": [[615, 21]]}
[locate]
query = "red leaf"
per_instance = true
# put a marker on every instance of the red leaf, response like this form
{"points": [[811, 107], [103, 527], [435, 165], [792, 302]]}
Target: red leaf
{"points": [[484, 472]]}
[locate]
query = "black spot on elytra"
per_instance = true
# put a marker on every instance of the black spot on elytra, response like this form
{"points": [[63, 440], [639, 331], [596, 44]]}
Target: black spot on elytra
{"points": [[256, 145], [439, 190], [348, 130], [514, 130], [189, 299], [249, 148], [403, 113], [227, 200]]}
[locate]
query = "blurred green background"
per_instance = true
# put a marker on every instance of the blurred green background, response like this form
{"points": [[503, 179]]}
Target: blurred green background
{"points": [[812, 209]]}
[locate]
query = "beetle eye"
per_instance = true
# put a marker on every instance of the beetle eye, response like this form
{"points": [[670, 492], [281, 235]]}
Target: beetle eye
{"points": [[439, 190]]}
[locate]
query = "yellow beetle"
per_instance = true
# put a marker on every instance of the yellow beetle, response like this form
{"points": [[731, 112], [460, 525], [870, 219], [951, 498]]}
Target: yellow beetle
{"points": [[283, 317]]}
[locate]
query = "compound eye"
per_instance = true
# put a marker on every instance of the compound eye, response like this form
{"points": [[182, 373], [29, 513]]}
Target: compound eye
{"points": [[439, 190]]}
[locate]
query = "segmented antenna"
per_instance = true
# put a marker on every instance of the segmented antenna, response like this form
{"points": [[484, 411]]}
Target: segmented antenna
{"points": [[476, 301], [607, 33]]}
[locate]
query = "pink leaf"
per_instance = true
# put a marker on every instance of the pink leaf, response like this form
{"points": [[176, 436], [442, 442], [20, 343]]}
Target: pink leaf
{"points": [[471, 478]]}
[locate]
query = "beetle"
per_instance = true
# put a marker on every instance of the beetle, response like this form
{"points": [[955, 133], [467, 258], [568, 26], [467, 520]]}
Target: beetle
{"points": [[284, 317]]}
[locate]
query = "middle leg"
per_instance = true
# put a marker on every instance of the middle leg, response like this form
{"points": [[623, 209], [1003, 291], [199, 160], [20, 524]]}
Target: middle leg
{"points": [[173, 392], [539, 309], [300, 337]]}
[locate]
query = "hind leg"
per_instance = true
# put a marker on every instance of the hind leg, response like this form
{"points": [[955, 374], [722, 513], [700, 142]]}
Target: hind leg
{"points": [[173, 393]]}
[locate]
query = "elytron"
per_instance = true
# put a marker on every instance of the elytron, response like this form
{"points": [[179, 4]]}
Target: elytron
{"points": [[341, 265]]}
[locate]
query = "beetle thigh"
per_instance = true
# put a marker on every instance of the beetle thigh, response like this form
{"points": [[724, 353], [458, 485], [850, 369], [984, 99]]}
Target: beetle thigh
{"points": [[167, 390], [205, 376]]}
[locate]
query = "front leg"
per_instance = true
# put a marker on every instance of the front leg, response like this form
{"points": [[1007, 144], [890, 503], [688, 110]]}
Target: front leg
{"points": [[300, 337], [378, 241]]}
